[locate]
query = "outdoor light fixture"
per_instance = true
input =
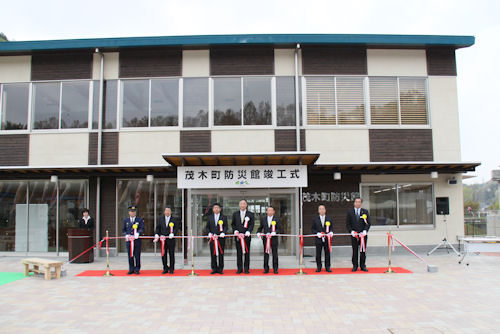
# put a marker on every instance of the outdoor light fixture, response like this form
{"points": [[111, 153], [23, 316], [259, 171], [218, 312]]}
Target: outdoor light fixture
{"points": [[434, 175], [150, 178], [53, 178], [337, 176]]}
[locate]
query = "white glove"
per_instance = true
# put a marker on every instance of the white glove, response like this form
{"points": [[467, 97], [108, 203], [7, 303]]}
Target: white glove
{"points": [[273, 233], [318, 234], [353, 233], [209, 235], [236, 232], [258, 235], [136, 235], [156, 238], [268, 234], [247, 233], [364, 232], [127, 237], [222, 235], [330, 234], [171, 235]]}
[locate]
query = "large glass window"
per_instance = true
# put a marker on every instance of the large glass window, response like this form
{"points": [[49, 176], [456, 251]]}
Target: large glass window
{"points": [[413, 97], [416, 205], [164, 102], [135, 103], [46, 105], [227, 101], [42, 216], [13, 217], [257, 101], [350, 100], [75, 105], [110, 104], [321, 101], [195, 102], [285, 101], [384, 100], [72, 200], [399, 204], [15, 106]]}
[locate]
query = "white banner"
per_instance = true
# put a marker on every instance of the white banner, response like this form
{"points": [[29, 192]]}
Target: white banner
{"points": [[279, 176]]}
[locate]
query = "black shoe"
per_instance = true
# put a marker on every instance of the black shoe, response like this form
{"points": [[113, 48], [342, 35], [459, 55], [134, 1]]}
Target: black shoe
{"points": [[171, 271], [275, 271], [137, 272], [214, 272], [318, 270], [130, 272], [266, 271], [328, 270], [221, 272], [247, 271], [239, 271], [164, 272], [364, 269], [354, 268]]}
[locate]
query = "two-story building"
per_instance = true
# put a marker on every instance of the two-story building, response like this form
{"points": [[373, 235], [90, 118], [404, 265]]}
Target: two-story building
{"points": [[287, 120]]}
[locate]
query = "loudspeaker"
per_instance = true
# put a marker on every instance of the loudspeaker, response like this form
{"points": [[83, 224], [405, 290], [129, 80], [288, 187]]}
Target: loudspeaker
{"points": [[443, 205]]}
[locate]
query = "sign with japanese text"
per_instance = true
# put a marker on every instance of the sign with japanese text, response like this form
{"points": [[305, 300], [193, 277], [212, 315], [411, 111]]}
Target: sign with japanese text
{"points": [[279, 176]]}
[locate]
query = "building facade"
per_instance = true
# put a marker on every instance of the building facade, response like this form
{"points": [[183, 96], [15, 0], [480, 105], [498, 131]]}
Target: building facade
{"points": [[105, 123]]}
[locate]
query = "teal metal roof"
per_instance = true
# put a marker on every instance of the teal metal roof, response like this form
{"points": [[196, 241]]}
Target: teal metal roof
{"points": [[209, 40]]}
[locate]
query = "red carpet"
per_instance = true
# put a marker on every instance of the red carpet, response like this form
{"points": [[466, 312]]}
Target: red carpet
{"points": [[253, 272]]}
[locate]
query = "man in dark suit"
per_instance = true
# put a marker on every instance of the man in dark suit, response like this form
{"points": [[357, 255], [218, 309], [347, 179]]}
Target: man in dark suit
{"points": [[133, 227], [322, 227], [242, 224], [86, 222], [216, 230], [166, 229], [269, 227], [358, 223]]}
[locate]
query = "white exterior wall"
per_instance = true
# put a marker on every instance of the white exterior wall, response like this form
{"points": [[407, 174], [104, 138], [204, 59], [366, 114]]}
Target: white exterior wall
{"points": [[443, 104], [423, 235], [111, 66], [15, 68], [390, 62], [242, 141], [146, 147], [284, 62], [59, 149], [195, 63], [339, 145]]}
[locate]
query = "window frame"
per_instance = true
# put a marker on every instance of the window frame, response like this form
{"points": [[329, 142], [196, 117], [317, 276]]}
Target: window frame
{"points": [[28, 110], [399, 226]]}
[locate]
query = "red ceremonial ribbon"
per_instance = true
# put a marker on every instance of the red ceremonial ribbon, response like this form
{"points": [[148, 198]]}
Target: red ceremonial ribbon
{"points": [[131, 240], [268, 243], [273, 228], [329, 241], [220, 227], [244, 248], [162, 239], [360, 237], [390, 241], [171, 229], [246, 222], [217, 245]]}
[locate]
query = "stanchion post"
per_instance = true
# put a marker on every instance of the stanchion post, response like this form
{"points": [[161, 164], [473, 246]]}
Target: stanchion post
{"points": [[107, 274], [192, 273], [301, 256], [389, 244]]}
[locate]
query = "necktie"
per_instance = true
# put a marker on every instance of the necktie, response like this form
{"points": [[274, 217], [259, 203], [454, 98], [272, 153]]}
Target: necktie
{"points": [[242, 215], [322, 221], [216, 219], [357, 214]]}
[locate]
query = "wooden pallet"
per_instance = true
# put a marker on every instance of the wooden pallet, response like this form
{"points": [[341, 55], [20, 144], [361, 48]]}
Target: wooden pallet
{"points": [[42, 266]]}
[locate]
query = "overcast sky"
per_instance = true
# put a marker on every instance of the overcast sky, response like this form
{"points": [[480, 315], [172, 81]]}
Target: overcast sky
{"points": [[478, 66]]}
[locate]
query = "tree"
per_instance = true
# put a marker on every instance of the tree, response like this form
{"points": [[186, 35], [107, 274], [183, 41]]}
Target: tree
{"points": [[3, 38]]}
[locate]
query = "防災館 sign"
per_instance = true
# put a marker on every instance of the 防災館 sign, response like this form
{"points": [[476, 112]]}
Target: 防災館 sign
{"points": [[279, 176]]}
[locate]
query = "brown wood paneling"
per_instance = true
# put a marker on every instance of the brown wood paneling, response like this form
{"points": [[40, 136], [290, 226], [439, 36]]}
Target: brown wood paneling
{"points": [[284, 140], [441, 61], [109, 148], [14, 150], [242, 60], [338, 196], [334, 60], [93, 148], [61, 66], [196, 141], [401, 145], [159, 62], [108, 208]]}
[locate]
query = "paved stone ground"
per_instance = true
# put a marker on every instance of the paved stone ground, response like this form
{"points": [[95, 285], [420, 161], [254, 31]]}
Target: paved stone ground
{"points": [[457, 299]]}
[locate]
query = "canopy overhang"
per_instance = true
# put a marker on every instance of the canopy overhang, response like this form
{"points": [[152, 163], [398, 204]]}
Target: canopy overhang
{"points": [[241, 159]]}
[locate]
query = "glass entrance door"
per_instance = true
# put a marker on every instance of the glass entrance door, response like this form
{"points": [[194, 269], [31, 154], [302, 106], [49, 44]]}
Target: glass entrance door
{"points": [[283, 200]]}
